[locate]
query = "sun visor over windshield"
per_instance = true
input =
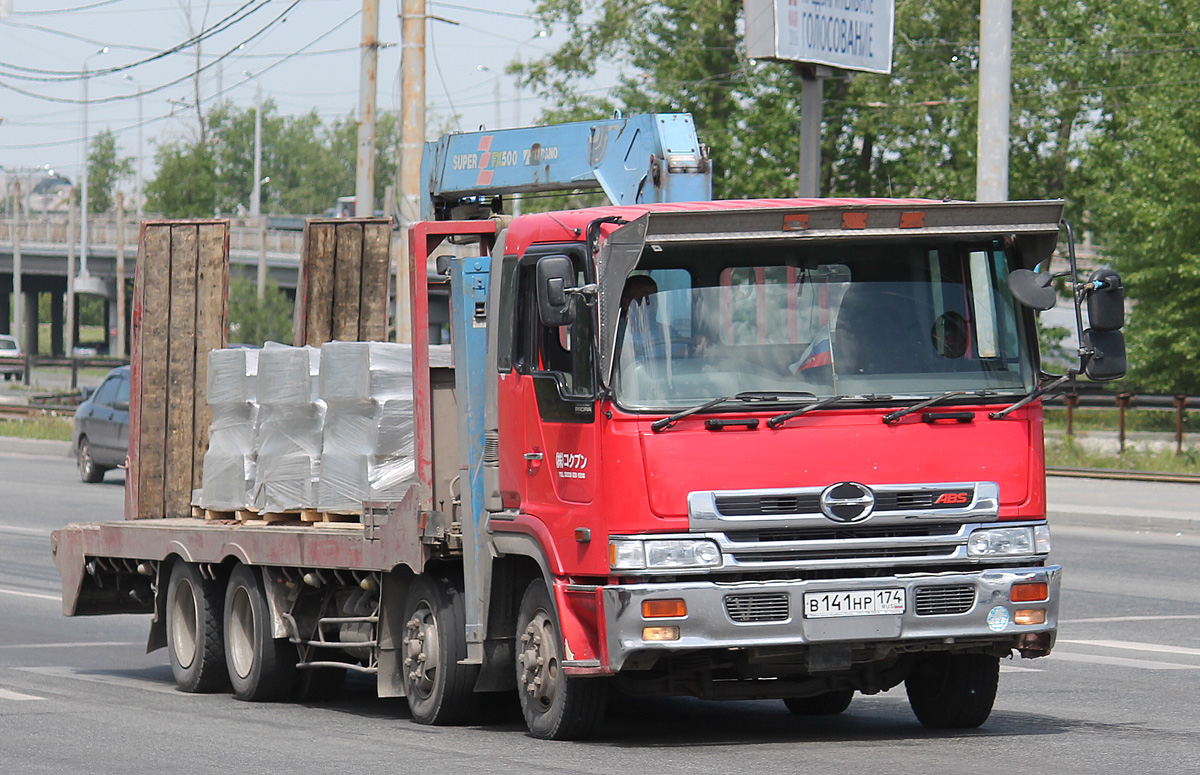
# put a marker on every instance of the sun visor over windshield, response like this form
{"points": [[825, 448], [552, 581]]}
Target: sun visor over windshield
{"points": [[618, 256]]}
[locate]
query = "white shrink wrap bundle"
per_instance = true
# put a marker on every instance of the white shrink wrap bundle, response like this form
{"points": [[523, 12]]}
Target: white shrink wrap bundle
{"points": [[229, 463], [291, 420], [368, 440]]}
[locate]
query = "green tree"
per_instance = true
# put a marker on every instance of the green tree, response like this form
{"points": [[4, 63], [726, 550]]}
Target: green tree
{"points": [[106, 168], [1147, 203], [258, 321], [185, 185]]}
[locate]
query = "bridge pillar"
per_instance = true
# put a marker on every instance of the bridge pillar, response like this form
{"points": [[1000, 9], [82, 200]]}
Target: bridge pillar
{"points": [[57, 301], [31, 322], [5, 305]]}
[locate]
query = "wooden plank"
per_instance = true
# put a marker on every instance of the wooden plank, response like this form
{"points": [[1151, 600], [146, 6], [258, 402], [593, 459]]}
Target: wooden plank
{"points": [[376, 269], [212, 291], [135, 383], [181, 371], [154, 274], [347, 282], [300, 310], [318, 291]]}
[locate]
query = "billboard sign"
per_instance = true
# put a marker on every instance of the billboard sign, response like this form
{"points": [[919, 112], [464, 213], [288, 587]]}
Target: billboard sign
{"points": [[850, 34]]}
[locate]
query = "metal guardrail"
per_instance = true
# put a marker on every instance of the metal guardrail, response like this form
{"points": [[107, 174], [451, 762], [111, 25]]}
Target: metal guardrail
{"points": [[103, 232], [1124, 402], [30, 362]]}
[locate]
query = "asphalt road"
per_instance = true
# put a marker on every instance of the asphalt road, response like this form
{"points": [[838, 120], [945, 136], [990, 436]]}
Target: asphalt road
{"points": [[1118, 695]]}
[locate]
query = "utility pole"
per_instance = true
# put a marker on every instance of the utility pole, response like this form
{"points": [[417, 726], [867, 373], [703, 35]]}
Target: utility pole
{"points": [[140, 194], [18, 297], [364, 182], [995, 89], [256, 195], [412, 144], [70, 316]]}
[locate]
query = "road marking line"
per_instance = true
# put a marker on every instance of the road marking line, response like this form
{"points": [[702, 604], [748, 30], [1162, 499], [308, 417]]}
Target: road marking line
{"points": [[1143, 664], [1135, 646], [55, 598], [1100, 511], [101, 678], [1015, 669], [9, 694], [1107, 619], [81, 644]]}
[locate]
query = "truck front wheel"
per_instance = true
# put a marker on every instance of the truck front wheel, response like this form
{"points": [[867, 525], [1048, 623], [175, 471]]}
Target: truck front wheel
{"points": [[953, 691], [556, 706], [194, 642], [261, 666], [439, 689]]}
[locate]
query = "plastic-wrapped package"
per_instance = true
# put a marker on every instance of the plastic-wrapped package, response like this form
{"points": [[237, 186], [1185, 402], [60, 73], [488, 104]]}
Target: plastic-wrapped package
{"points": [[288, 433], [229, 463], [368, 439]]}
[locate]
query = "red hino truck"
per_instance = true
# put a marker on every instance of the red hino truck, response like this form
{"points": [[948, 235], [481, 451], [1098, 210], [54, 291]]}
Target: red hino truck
{"points": [[786, 449]]}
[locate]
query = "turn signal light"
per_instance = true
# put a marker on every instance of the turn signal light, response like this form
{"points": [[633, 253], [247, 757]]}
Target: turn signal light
{"points": [[662, 609], [660, 633], [1031, 592], [1029, 616]]}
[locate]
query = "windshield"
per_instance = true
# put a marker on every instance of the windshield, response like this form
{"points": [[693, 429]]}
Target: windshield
{"points": [[901, 319]]}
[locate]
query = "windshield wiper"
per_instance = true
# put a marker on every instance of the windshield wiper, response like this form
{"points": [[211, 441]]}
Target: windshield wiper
{"points": [[1038, 391], [749, 395], [778, 420], [895, 416]]}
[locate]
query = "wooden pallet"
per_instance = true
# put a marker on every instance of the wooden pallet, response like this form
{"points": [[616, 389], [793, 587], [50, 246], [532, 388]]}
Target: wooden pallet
{"points": [[331, 517]]}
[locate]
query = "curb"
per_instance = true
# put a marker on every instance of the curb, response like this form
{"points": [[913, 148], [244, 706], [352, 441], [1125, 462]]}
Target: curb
{"points": [[1123, 521], [40, 447]]}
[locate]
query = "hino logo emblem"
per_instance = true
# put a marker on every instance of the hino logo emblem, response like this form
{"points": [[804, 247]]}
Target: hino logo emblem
{"points": [[847, 502]]}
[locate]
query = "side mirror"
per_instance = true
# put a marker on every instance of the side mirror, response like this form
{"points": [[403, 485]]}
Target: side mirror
{"points": [[1032, 289], [1106, 301], [1107, 361], [555, 276], [121, 406]]}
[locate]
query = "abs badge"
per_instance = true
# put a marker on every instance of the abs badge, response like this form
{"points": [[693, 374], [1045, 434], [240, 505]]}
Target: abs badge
{"points": [[847, 502]]}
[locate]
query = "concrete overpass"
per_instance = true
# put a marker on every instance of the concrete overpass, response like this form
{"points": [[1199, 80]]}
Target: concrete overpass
{"points": [[44, 264]]}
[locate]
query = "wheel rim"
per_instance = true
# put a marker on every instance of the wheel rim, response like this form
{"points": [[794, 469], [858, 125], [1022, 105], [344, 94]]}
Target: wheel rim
{"points": [[539, 661], [184, 623], [241, 632], [421, 650], [85, 460]]}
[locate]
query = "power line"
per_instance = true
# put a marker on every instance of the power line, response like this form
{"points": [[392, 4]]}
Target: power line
{"points": [[58, 76], [50, 12]]}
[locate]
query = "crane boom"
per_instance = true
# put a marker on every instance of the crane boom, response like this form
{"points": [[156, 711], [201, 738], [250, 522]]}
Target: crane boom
{"points": [[635, 160]]}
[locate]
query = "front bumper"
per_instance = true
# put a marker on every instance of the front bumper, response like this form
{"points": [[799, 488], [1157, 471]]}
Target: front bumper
{"points": [[710, 625]]}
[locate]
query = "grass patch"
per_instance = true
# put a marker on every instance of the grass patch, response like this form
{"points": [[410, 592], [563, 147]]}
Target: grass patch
{"points": [[1136, 419], [52, 428], [1071, 454]]}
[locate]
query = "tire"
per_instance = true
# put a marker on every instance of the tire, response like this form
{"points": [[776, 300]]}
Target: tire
{"points": [[953, 691], [261, 666], [556, 706], [827, 704], [90, 472], [195, 644], [440, 691]]}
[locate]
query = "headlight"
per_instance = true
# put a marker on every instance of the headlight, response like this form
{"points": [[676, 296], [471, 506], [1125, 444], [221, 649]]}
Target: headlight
{"points": [[634, 554], [1004, 541]]}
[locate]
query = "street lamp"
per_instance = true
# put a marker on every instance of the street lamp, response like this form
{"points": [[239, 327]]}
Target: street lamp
{"points": [[496, 91], [85, 283], [140, 193]]}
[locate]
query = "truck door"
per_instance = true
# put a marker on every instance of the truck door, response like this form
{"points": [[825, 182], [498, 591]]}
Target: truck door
{"points": [[553, 383]]}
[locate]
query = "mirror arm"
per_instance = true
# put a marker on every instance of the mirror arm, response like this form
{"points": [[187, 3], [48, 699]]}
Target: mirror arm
{"points": [[1074, 274]]}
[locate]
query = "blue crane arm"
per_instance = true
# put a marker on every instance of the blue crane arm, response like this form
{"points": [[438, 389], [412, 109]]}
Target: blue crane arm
{"points": [[639, 159]]}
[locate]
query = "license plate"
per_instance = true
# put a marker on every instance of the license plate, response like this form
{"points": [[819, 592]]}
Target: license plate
{"points": [[864, 602]]}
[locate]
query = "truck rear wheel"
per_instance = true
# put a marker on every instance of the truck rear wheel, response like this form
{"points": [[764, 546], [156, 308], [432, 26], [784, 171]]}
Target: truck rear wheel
{"points": [[827, 704], [194, 641], [261, 666], [438, 688], [556, 706], [953, 691]]}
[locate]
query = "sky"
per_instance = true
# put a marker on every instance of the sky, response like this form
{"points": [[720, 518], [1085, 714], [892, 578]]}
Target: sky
{"points": [[305, 54]]}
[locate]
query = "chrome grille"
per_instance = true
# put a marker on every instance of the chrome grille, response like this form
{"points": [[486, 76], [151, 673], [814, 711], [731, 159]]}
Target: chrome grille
{"points": [[755, 608], [935, 601]]}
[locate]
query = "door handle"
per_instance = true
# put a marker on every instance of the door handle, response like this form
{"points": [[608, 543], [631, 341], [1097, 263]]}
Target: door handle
{"points": [[534, 456], [533, 461]]}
